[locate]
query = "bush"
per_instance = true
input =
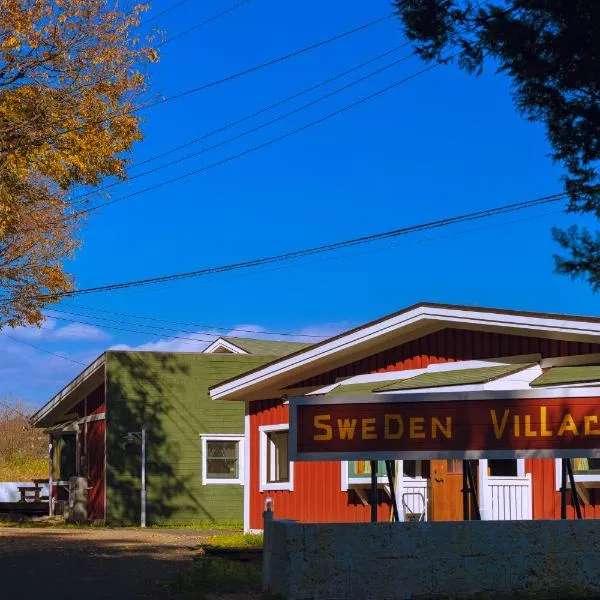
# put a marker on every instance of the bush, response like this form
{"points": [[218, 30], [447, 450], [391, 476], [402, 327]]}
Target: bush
{"points": [[23, 448]]}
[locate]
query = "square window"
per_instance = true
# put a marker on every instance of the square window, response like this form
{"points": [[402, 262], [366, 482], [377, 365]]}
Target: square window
{"points": [[222, 459]]}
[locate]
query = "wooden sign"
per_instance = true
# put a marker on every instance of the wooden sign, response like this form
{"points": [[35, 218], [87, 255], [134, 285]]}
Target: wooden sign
{"points": [[352, 429]]}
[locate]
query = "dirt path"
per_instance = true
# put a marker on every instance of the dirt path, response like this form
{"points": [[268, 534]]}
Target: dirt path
{"points": [[92, 564]]}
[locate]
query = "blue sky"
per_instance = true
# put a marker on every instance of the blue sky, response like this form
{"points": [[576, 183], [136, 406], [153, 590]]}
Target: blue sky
{"points": [[439, 145]]}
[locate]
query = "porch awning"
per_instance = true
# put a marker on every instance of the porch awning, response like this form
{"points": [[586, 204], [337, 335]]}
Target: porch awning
{"points": [[565, 375], [454, 377], [64, 427]]}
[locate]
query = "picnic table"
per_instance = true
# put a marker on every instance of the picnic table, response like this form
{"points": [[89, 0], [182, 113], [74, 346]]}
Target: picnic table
{"points": [[35, 489]]}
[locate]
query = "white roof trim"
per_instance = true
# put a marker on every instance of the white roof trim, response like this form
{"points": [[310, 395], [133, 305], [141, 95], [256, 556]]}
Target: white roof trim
{"points": [[222, 343], [52, 404], [479, 318]]}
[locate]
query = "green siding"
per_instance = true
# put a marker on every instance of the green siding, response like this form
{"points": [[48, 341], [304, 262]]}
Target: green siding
{"points": [[168, 393], [564, 375]]}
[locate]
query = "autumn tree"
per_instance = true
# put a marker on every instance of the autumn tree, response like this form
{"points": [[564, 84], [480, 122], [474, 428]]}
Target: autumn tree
{"points": [[71, 77], [550, 50]]}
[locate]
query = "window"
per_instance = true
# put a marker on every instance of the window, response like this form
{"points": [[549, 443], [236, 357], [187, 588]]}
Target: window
{"points": [[586, 466], [276, 470], [222, 459]]}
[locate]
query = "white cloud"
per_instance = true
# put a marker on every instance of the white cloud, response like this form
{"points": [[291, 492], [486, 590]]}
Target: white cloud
{"points": [[309, 334], [51, 331]]}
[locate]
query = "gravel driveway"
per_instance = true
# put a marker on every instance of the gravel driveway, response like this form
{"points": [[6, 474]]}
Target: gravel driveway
{"points": [[90, 564]]}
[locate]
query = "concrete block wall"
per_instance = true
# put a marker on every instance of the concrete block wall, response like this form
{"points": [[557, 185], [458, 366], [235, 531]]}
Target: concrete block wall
{"points": [[398, 561]]}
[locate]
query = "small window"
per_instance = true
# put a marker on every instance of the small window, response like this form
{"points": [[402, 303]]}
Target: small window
{"points": [[586, 466], [276, 470], [222, 459]]}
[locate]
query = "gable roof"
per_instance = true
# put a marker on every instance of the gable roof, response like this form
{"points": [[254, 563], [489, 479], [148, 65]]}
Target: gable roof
{"points": [[266, 347], [259, 347], [400, 327], [214, 368]]}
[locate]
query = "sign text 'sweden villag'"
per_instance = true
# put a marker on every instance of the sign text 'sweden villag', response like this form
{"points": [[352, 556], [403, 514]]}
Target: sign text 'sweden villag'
{"points": [[448, 429]]}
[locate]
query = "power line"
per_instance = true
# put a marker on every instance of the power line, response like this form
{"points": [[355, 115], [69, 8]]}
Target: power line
{"points": [[224, 12], [269, 122], [163, 12], [10, 337], [184, 323], [233, 76], [284, 136], [246, 118], [486, 213]]}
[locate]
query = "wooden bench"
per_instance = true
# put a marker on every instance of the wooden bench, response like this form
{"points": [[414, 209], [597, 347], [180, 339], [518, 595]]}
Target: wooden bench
{"points": [[26, 491]]}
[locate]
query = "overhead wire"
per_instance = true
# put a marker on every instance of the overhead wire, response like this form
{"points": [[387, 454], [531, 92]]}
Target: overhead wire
{"points": [[247, 118], [260, 146], [475, 215], [36, 347], [206, 21], [231, 76], [186, 323]]}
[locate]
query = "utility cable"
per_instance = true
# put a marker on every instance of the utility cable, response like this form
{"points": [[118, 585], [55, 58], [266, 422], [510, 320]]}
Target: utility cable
{"points": [[242, 120], [10, 337], [481, 214]]}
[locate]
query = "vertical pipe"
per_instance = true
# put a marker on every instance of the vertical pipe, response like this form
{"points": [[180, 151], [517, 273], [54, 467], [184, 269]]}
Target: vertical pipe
{"points": [[143, 491], [465, 490], [574, 495], [50, 476], [563, 489], [373, 491]]}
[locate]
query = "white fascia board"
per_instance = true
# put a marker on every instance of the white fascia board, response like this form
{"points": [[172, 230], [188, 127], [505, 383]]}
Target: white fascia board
{"points": [[462, 316], [221, 343], [70, 387]]}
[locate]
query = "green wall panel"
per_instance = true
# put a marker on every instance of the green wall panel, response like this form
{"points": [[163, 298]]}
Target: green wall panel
{"points": [[168, 393]]}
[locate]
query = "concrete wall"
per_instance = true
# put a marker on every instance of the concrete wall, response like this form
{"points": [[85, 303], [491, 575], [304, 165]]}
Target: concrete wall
{"points": [[385, 561]]}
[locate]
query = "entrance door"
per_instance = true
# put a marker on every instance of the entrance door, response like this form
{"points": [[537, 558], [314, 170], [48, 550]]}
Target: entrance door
{"points": [[446, 486]]}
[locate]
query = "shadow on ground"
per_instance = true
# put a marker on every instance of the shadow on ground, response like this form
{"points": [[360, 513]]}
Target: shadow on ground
{"points": [[103, 564]]}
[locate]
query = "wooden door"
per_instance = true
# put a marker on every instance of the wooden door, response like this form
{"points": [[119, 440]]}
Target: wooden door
{"points": [[446, 486]]}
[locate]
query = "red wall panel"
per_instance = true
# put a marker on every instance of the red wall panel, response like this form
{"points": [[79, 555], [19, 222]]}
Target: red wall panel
{"points": [[317, 494], [96, 471]]}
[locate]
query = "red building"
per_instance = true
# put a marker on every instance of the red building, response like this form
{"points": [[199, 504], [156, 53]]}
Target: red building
{"points": [[425, 349]]}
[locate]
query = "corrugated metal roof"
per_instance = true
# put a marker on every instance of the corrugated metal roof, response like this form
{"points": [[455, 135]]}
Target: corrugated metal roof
{"points": [[561, 375], [454, 377], [266, 347]]}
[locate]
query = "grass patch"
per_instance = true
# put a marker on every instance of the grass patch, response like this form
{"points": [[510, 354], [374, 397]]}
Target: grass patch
{"points": [[235, 540], [20, 467], [217, 576], [201, 525]]}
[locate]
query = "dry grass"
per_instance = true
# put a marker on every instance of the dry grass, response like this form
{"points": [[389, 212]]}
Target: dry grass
{"points": [[23, 449]]}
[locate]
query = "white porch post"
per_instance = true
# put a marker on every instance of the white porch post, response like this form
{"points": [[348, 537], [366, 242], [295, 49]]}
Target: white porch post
{"points": [[485, 502], [398, 465]]}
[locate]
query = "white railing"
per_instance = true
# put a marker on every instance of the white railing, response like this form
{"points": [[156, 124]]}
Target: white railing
{"points": [[414, 497], [508, 498]]}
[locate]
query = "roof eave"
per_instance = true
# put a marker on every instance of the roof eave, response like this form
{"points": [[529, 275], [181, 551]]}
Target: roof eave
{"points": [[38, 419], [249, 385]]}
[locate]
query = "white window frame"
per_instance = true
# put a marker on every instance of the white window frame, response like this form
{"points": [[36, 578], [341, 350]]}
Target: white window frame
{"points": [[592, 480], [264, 485], [222, 437]]}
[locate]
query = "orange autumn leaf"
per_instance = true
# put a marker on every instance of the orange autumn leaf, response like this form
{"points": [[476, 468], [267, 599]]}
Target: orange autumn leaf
{"points": [[71, 76]]}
